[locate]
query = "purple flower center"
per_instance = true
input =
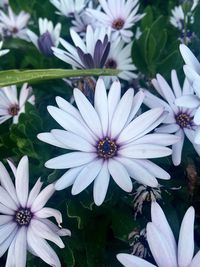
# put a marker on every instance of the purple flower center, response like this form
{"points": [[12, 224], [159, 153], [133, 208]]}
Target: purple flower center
{"points": [[111, 64], [45, 43], [118, 24], [184, 120], [23, 217], [13, 110], [107, 148]]}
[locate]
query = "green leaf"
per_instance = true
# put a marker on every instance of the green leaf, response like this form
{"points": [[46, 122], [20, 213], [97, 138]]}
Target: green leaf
{"points": [[148, 18], [10, 77]]}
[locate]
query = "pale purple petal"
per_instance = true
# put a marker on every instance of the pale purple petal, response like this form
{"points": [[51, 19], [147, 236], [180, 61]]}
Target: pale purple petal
{"points": [[21, 247], [189, 58], [34, 192], [188, 101], [133, 261], [196, 260], [49, 212], [6, 200], [177, 148]]}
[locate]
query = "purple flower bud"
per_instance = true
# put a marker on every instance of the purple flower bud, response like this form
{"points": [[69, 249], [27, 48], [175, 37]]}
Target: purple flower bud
{"points": [[45, 43]]}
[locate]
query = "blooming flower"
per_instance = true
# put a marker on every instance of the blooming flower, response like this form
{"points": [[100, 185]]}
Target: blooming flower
{"points": [[120, 58], [10, 105], [4, 51], [120, 15], [192, 72], [108, 141], [88, 54], [49, 36], [177, 18], [14, 25], [163, 245], [69, 7], [179, 120], [23, 219]]}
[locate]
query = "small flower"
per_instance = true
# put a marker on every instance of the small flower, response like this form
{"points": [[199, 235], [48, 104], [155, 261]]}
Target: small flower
{"points": [[119, 15], [23, 219], [88, 54], [192, 72], [69, 7], [145, 194], [49, 36], [107, 140], [4, 3], [14, 25], [120, 58], [163, 245], [4, 51], [11, 106], [179, 120]]}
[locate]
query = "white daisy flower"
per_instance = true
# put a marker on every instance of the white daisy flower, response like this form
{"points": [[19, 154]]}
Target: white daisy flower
{"points": [[178, 17], [69, 7], [179, 120], [120, 58], [23, 221], [163, 244], [107, 140], [120, 15], [4, 51], [14, 25], [10, 105], [48, 38], [192, 72], [88, 54]]}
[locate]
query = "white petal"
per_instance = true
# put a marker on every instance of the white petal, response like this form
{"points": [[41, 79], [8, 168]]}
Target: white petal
{"points": [[22, 181], [6, 200], [113, 98], [196, 260], [189, 58], [101, 104], [88, 112], [73, 141], [49, 212], [42, 230], [175, 84], [4, 219], [197, 136], [10, 262], [121, 113], [34, 192], [160, 248], [144, 151], [137, 102], [186, 239], [197, 116], [140, 124], [21, 247], [7, 183], [7, 243], [55, 228], [86, 176], [101, 184], [132, 261], [50, 139], [120, 175], [42, 249], [6, 230], [157, 139], [138, 172], [177, 148], [168, 128], [6, 210], [42, 198], [188, 101], [70, 160]]}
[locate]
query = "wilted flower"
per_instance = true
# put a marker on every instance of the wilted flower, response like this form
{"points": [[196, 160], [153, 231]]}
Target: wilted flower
{"points": [[138, 242], [23, 220], [88, 54], [109, 141], [163, 245], [48, 38], [69, 7], [179, 120], [119, 15], [4, 51], [14, 25], [11, 105], [145, 194]]}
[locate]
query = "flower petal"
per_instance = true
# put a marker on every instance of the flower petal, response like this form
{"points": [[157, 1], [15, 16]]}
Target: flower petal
{"points": [[131, 260], [21, 247], [189, 58], [49, 212], [34, 192]]}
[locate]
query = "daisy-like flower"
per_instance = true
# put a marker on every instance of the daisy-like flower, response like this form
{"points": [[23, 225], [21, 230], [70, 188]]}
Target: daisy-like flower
{"points": [[10, 105], [4, 51], [48, 38], [88, 54], [69, 7], [107, 140], [178, 17], [14, 25], [179, 120], [120, 15], [23, 221], [192, 72], [120, 58], [163, 245]]}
